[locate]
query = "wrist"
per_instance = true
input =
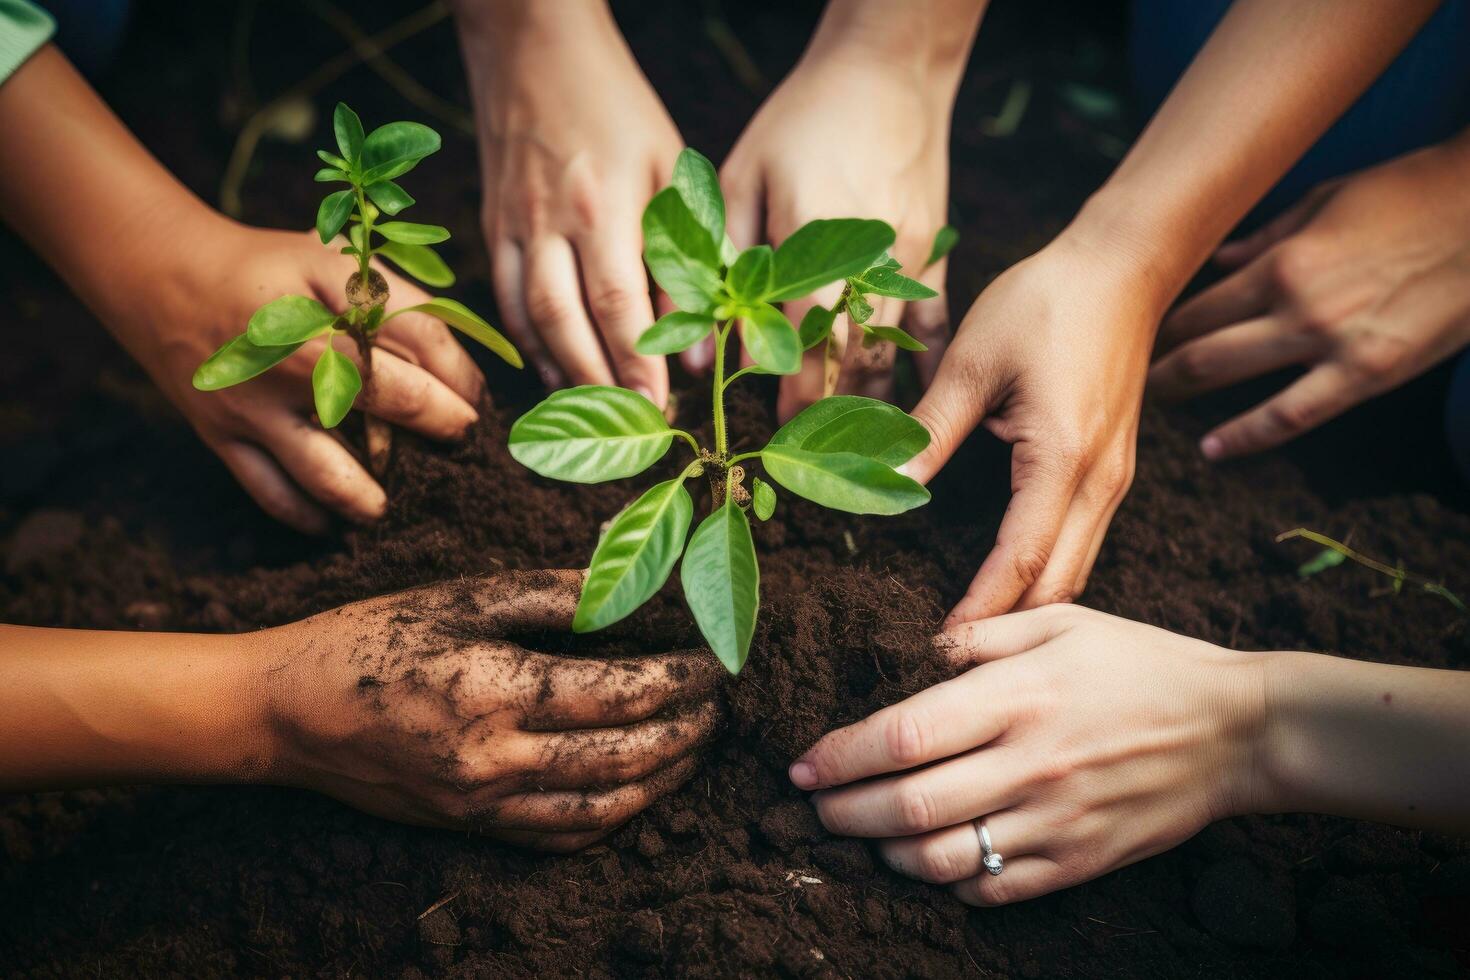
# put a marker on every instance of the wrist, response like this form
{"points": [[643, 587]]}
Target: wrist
{"points": [[495, 33], [927, 47], [1276, 782], [1131, 247]]}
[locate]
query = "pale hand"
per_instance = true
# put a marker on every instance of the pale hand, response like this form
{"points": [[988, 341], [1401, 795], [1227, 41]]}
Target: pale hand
{"points": [[573, 144], [847, 137], [1083, 742]]}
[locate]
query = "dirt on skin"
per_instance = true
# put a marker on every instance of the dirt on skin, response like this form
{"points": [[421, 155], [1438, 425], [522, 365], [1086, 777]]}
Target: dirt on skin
{"points": [[112, 515]]}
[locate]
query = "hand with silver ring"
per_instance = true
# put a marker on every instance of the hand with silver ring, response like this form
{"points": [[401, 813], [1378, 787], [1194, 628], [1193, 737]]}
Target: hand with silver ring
{"points": [[993, 862], [1076, 741]]}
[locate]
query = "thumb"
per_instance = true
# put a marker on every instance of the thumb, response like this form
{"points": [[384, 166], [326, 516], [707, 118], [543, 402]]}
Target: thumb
{"points": [[961, 395]]}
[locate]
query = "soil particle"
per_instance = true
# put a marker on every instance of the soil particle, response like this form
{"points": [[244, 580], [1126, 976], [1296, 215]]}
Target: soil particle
{"points": [[43, 541], [1239, 904]]}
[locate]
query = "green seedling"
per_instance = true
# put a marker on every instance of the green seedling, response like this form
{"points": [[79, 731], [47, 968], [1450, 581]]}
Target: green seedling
{"points": [[368, 164], [840, 452], [1334, 553]]}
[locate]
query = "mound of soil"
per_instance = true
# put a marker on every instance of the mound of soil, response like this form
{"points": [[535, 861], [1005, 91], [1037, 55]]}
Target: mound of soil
{"points": [[113, 516]]}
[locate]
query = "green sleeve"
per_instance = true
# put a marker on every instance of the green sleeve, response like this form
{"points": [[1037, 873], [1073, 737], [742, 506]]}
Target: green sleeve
{"points": [[24, 27]]}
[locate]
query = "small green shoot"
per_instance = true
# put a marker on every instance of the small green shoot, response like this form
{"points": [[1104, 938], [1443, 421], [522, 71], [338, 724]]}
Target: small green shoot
{"points": [[369, 165], [841, 452], [1334, 553]]}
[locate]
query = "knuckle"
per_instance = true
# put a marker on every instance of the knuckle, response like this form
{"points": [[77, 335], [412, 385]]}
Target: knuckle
{"points": [[546, 305], [937, 865], [1286, 416], [915, 809], [1029, 562], [613, 300], [1061, 595], [909, 737], [1376, 356], [1294, 264], [1052, 769], [1192, 365]]}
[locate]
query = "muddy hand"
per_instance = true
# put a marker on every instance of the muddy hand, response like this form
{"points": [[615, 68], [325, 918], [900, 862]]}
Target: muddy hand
{"points": [[418, 707]]}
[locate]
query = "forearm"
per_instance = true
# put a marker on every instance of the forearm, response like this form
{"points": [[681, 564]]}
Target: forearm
{"points": [[85, 707], [1269, 82], [1366, 740], [500, 39], [81, 189]]}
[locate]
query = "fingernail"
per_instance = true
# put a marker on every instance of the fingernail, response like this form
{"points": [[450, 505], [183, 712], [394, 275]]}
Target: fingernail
{"points": [[645, 392], [699, 356], [1212, 447], [906, 469], [804, 774]]}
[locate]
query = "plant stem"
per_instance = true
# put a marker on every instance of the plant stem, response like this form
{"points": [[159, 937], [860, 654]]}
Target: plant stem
{"points": [[1397, 574], [693, 443], [721, 333], [744, 456], [364, 253]]}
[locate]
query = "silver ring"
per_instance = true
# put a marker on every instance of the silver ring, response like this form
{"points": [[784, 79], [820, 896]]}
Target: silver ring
{"points": [[993, 862]]}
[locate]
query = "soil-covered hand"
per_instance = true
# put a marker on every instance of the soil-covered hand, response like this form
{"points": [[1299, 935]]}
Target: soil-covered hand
{"points": [[263, 430], [422, 707], [1365, 284], [848, 135], [1051, 358], [1083, 742], [573, 143]]}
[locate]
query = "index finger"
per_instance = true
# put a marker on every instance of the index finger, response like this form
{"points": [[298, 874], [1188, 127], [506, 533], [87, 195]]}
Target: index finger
{"points": [[934, 724]]}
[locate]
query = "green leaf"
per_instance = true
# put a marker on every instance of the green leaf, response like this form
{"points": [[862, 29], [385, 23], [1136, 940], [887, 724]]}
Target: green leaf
{"points": [[944, 240], [333, 159], [679, 252], [419, 261], [388, 196], [348, 129], [815, 326], [467, 322], [409, 233], [335, 384], [289, 320], [858, 309], [749, 278], [238, 360], [762, 498], [888, 281], [674, 332], [770, 339], [897, 337], [728, 252], [332, 214], [722, 583], [843, 481], [698, 184], [825, 251], [1325, 559], [635, 556], [327, 175], [590, 434], [394, 149], [854, 424]]}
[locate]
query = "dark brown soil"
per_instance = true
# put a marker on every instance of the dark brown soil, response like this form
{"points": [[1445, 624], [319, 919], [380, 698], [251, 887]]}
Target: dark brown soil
{"points": [[113, 516]]}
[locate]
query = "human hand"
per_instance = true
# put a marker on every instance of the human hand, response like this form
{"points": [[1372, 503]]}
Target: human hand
{"points": [[1051, 358], [1365, 284], [218, 274], [419, 707], [573, 143], [1082, 741], [814, 151]]}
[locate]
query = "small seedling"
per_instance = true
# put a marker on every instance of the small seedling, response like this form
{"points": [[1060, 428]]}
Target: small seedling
{"points": [[840, 452], [1335, 552], [368, 164]]}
